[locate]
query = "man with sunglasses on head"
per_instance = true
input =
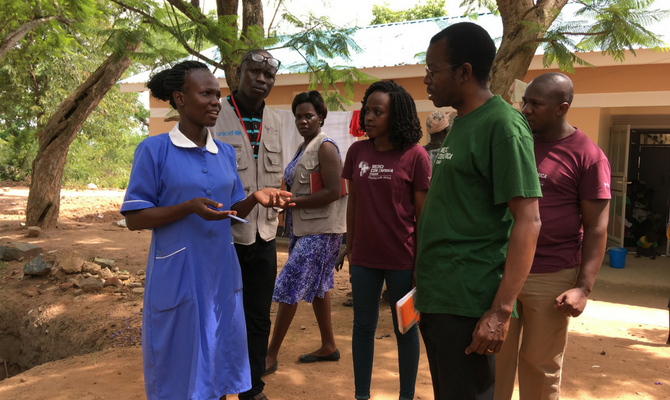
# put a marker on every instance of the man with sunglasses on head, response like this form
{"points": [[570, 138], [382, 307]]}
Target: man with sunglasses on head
{"points": [[255, 132]]}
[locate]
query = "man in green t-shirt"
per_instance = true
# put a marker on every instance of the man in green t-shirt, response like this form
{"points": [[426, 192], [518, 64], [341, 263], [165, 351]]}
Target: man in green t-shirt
{"points": [[480, 222]]}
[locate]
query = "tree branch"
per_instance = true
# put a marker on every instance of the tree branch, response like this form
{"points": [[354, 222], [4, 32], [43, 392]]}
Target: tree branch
{"points": [[186, 10], [273, 17], [584, 34], [181, 40], [13, 37], [545, 40], [309, 65]]}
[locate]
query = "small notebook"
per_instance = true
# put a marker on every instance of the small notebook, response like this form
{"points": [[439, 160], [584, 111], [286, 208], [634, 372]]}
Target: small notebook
{"points": [[405, 311], [316, 184]]}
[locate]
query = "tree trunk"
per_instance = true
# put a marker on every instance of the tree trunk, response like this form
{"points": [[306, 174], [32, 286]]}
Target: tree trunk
{"points": [[252, 14], [519, 42], [226, 7], [58, 134], [13, 37], [229, 7]]}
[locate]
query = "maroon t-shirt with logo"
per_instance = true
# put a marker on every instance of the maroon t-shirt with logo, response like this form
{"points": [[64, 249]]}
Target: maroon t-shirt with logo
{"points": [[385, 181], [570, 169]]}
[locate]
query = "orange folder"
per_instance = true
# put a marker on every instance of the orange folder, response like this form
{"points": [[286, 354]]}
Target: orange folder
{"points": [[405, 311], [316, 184]]}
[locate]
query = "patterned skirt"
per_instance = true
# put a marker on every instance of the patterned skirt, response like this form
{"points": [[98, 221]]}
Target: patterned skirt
{"points": [[310, 267]]}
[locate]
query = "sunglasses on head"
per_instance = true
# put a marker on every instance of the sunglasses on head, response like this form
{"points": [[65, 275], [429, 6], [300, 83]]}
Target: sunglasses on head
{"points": [[273, 62]]}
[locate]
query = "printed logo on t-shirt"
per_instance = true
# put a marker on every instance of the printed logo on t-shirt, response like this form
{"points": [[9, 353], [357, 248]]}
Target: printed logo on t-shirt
{"points": [[377, 171], [607, 185], [364, 167], [443, 155], [542, 178]]}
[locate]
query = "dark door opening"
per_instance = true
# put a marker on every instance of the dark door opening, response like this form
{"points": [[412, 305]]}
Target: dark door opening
{"points": [[648, 205]]}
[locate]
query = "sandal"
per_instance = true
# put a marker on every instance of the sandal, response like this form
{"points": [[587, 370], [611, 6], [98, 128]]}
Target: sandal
{"points": [[271, 369], [308, 358]]}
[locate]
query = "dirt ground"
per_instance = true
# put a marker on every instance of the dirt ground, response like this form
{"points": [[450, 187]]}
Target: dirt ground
{"points": [[59, 344]]}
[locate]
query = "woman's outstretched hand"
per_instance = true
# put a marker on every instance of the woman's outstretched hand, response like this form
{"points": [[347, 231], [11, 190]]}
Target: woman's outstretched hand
{"points": [[208, 209], [270, 197]]}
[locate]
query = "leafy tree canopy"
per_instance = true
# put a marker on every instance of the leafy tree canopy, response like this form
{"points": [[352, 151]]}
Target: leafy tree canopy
{"points": [[317, 39], [609, 26], [43, 69], [385, 15]]}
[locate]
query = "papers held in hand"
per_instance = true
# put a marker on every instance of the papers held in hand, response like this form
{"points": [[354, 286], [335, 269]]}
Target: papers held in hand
{"points": [[405, 311], [316, 184]]}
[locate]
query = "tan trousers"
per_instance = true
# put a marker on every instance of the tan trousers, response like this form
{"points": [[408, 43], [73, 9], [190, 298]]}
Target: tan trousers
{"points": [[536, 340]]}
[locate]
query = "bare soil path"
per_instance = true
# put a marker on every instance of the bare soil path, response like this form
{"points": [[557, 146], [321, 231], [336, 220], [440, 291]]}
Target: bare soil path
{"points": [[86, 346]]}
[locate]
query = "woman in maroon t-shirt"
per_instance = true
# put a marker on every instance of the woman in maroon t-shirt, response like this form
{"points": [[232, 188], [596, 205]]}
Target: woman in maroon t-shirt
{"points": [[388, 180]]}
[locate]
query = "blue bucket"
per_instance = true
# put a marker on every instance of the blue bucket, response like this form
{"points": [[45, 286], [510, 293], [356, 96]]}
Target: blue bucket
{"points": [[617, 257]]}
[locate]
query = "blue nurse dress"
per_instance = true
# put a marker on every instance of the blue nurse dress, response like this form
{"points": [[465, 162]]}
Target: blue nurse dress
{"points": [[194, 335]]}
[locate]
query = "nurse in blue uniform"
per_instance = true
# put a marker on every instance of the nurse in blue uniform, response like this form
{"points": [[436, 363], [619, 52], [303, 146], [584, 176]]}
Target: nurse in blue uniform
{"points": [[185, 187]]}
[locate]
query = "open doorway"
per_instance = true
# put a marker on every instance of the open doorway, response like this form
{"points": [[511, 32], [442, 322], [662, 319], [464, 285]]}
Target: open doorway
{"points": [[648, 195]]}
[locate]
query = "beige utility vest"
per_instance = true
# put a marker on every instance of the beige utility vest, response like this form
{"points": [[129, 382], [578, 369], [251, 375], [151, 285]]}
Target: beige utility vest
{"points": [[268, 171], [313, 221]]}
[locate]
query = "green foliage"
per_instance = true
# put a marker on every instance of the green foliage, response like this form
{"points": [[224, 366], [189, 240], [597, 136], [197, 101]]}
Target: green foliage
{"points": [[103, 160], [317, 41], [43, 69], [611, 26], [384, 14], [57, 36], [624, 21], [473, 7]]}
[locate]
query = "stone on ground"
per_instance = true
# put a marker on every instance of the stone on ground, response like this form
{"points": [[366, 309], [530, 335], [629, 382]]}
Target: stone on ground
{"points": [[91, 268], [113, 281], [72, 264], [105, 273], [104, 262], [90, 285], [37, 267], [17, 251], [33, 231]]}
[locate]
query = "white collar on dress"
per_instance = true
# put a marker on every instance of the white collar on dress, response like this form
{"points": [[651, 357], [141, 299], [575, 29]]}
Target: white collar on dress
{"points": [[180, 140]]}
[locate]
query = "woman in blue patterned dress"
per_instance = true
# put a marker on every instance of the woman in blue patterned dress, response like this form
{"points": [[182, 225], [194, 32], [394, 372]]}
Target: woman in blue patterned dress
{"points": [[316, 225], [184, 185]]}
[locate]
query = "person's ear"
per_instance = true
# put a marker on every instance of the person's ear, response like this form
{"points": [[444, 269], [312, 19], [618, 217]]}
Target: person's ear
{"points": [[562, 109], [178, 98], [464, 72], [238, 72]]}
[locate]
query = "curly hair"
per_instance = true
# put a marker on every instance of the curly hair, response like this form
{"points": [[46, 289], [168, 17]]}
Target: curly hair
{"points": [[167, 81], [405, 125], [315, 99]]}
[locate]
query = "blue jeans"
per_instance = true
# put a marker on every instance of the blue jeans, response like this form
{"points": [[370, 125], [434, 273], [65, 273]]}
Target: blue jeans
{"points": [[367, 286]]}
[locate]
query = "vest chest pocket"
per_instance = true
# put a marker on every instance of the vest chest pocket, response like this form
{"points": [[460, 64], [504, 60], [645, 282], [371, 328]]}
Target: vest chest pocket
{"points": [[308, 164], [272, 160], [239, 157]]}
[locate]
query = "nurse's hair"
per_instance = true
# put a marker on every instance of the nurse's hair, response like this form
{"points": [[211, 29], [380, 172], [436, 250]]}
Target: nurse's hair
{"points": [[167, 81], [405, 125]]}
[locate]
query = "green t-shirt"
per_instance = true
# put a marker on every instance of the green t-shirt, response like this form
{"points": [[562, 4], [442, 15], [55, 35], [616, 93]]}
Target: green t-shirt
{"points": [[485, 160]]}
